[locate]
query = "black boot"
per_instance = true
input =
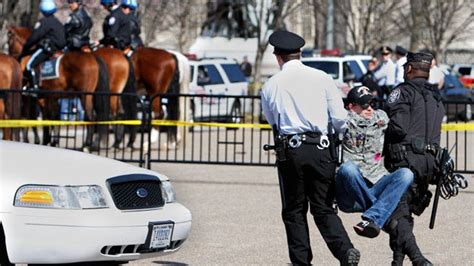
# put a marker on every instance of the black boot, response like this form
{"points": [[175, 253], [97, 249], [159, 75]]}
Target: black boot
{"points": [[34, 80]]}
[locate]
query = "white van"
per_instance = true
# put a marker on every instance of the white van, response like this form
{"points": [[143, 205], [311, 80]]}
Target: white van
{"points": [[217, 77]]}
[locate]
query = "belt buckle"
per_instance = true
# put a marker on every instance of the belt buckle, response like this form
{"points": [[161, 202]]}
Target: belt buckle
{"points": [[295, 141], [323, 142]]}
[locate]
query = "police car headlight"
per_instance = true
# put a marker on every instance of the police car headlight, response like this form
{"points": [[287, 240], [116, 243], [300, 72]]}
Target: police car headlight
{"points": [[167, 191], [60, 197]]}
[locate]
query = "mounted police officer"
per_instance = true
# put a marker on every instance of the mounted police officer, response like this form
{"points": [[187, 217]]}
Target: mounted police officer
{"points": [[116, 26], [78, 26], [299, 102], [48, 37], [129, 7], [412, 138]]}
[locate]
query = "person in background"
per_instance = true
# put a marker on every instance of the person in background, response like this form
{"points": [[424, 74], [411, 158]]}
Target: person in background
{"points": [[129, 7], [304, 108], [436, 74], [246, 68], [48, 36], [401, 55], [385, 74], [116, 26], [78, 26]]}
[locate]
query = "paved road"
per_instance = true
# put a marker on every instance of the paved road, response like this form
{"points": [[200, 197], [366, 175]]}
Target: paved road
{"points": [[236, 221]]}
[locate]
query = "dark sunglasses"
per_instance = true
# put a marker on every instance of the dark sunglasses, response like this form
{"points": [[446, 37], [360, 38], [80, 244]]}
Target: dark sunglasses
{"points": [[367, 105]]}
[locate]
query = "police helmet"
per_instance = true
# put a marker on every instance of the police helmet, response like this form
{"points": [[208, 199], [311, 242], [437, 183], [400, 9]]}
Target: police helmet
{"points": [[132, 4], [47, 7], [108, 2]]}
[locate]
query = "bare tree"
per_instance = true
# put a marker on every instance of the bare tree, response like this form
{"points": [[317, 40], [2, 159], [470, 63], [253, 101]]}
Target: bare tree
{"points": [[446, 22], [369, 23], [269, 16]]}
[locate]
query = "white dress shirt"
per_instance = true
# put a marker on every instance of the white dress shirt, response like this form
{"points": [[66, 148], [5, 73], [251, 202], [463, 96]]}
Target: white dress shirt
{"points": [[298, 98], [386, 74], [436, 75], [399, 72]]}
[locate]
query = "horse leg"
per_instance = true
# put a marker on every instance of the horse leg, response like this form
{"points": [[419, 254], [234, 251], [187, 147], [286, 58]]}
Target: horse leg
{"points": [[130, 109], [89, 145]]}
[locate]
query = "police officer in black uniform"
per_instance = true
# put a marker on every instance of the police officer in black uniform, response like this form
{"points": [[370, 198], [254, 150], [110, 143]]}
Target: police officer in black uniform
{"points": [[412, 138], [48, 36], [129, 7], [116, 26], [78, 26], [299, 102]]}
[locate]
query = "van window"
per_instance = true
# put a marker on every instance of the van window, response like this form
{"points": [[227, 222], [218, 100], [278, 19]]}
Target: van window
{"points": [[208, 75], [464, 71], [355, 68], [331, 68], [234, 73]]}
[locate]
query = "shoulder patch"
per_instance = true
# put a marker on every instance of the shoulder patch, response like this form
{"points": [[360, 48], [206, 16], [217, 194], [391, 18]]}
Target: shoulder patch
{"points": [[37, 25], [111, 21], [394, 96]]}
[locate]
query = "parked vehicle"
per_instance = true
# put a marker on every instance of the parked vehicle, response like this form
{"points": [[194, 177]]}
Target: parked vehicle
{"points": [[454, 91], [465, 73], [64, 206], [215, 78], [346, 71]]}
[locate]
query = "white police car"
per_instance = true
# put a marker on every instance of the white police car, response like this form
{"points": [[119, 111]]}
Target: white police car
{"points": [[212, 78], [346, 71], [63, 206]]}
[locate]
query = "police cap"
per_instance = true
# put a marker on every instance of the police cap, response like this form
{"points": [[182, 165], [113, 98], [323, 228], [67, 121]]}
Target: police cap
{"points": [[385, 50], [286, 42], [400, 50], [419, 58], [359, 95]]}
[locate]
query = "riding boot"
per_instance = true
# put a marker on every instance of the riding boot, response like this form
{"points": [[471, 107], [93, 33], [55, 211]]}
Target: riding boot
{"points": [[34, 80]]}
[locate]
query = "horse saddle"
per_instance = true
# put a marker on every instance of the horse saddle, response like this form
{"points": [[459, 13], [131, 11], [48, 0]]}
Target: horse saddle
{"points": [[50, 68]]}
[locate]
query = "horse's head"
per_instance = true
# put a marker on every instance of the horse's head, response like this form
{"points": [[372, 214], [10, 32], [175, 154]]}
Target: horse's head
{"points": [[16, 39]]}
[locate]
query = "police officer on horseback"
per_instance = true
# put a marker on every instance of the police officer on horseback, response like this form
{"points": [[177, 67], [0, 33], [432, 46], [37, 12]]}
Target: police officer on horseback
{"points": [[78, 26], [48, 37], [412, 138], [116, 26], [129, 7]]}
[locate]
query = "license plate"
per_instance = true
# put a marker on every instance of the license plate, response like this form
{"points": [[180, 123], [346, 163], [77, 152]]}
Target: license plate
{"points": [[160, 235]]}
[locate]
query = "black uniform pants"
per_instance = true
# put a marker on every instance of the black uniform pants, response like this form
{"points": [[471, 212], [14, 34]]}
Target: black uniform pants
{"points": [[307, 178], [402, 240]]}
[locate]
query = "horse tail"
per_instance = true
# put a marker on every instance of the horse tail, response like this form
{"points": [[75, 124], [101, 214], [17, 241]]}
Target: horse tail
{"points": [[101, 101], [174, 88], [129, 102]]}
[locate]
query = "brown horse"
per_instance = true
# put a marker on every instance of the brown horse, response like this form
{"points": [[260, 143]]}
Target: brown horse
{"points": [[121, 80], [161, 72], [10, 79], [78, 72]]}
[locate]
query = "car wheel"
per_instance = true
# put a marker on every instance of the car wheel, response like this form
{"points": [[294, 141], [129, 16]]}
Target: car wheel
{"points": [[3, 249], [235, 114]]}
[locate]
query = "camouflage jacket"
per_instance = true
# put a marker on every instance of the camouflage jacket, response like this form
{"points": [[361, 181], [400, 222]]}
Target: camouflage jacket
{"points": [[363, 143]]}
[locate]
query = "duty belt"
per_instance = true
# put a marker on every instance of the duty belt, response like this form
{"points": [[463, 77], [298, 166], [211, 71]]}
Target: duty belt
{"points": [[295, 140], [431, 148]]}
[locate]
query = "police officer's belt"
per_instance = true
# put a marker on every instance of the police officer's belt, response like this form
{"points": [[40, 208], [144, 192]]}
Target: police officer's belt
{"points": [[431, 148], [314, 138]]}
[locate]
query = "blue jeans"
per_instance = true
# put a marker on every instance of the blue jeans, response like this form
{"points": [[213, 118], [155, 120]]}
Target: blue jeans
{"points": [[377, 202]]}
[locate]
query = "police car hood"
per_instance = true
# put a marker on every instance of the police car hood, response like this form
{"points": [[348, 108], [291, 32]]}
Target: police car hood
{"points": [[22, 164]]}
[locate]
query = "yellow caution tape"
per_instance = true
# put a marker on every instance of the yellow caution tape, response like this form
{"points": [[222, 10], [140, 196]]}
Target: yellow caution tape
{"points": [[35, 123]]}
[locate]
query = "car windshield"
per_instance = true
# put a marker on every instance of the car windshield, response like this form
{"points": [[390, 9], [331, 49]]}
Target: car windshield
{"points": [[355, 68], [451, 82], [234, 73], [331, 68], [366, 63], [207, 75]]}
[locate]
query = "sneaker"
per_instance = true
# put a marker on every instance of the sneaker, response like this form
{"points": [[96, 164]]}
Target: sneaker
{"points": [[367, 228], [351, 258]]}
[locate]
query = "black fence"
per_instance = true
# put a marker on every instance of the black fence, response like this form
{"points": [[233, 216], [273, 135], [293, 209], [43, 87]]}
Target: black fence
{"points": [[207, 129]]}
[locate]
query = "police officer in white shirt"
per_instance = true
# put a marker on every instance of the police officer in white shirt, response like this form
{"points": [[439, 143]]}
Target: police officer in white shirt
{"points": [[401, 55], [298, 102], [385, 74]]}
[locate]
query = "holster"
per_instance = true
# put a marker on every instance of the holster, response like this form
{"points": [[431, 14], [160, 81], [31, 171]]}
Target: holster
{"points": [[397, 152], [48, 47], [420, 202], [281, 145]]}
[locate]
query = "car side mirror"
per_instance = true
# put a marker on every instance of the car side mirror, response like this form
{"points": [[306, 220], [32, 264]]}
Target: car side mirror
{"points": [[349, 77]]}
